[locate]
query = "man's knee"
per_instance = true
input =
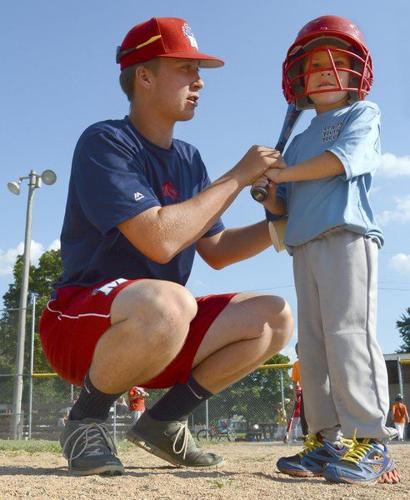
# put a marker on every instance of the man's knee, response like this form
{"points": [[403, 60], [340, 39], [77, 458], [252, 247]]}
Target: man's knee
{"points": [[175, 306], [279, 320], [161, 310], [285, 323]]}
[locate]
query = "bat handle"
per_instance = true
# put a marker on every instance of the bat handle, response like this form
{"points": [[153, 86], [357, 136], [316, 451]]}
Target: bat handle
{"points": [[259, 193]]}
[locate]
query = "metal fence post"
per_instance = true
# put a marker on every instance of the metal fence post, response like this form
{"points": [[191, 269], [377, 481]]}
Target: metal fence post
{"points": [[115, 421], [282, 391], [400, 375], [207, 418], [33, 322]]}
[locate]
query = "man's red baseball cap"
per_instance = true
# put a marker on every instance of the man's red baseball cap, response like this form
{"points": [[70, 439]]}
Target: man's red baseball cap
{"points": [[162, 37]]}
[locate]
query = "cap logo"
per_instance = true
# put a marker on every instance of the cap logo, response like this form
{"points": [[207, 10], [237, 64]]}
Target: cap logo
{"points": [[186, 30]]}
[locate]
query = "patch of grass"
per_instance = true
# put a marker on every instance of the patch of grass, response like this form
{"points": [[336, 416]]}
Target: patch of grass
{"points": [[43, 446], [220, 483], [33, 446], [125, 445]]}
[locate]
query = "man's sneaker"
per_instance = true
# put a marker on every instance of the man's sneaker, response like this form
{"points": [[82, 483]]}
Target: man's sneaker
{"points": [[170, 441], [367, 462], [315, 456], [89, 448]]}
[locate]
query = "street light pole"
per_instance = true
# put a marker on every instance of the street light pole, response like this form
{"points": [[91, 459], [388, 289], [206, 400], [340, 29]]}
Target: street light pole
{"points": [[21, 328], [34, 179]]}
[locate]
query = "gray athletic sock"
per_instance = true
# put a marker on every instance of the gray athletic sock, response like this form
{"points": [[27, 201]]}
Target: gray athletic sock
{"points": [[332, 434]]}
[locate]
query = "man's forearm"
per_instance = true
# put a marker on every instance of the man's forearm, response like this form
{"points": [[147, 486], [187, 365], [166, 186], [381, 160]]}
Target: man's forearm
{"points": [[184, 223], [161, 233], [242, 243]]}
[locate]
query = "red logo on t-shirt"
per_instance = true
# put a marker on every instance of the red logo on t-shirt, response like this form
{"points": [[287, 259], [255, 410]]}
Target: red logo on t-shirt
{"points": [[169, 190]]}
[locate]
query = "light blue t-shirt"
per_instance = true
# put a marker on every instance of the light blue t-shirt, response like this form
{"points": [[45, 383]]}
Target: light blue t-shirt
{"points": [[353, 135]]}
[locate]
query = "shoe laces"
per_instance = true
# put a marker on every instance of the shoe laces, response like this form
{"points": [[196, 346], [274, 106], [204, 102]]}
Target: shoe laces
{"points": [[95, 439], [358, 450], [184, 433], [310, 444]]}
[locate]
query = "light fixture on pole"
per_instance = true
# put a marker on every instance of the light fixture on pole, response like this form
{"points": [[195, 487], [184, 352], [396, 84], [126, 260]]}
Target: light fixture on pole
{"points": [[34, 181]]}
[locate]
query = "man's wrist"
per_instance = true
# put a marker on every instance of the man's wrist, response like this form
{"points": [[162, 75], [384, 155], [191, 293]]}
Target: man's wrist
{"points": [[235, 175]]}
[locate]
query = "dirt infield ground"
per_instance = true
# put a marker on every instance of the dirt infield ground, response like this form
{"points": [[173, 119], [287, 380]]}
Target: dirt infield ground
{"points": [[248, 472]]}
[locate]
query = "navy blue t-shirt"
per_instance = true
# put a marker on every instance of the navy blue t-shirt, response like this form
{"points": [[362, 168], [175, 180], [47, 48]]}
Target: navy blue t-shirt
{"points": [[117, 174]]}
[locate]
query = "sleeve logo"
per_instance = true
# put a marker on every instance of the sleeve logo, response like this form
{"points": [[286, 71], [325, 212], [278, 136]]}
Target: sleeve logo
{"points": [[138, 196]]}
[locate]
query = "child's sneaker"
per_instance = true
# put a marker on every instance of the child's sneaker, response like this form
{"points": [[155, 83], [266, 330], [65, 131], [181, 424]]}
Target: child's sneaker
{"points": [[367, 462], [315, 456]]}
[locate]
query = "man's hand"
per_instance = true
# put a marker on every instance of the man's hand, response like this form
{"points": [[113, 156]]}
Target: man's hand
{"points": [[272, 203], [265, 180], [255, 162]]}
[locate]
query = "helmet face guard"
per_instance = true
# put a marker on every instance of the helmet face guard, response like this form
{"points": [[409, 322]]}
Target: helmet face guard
{"points": [[336, 36]]}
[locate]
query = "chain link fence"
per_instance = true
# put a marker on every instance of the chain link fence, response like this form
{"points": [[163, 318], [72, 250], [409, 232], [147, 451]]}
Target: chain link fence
{"points": [[250, 413], [254, 409]]}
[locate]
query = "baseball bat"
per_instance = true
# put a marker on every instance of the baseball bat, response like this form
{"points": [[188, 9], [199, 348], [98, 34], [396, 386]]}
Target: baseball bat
{"points": [[260, 193], [292, 419]]}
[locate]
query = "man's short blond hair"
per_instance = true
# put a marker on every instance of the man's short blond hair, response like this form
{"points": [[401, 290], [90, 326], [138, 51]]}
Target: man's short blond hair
{"points": [[127, 76]]}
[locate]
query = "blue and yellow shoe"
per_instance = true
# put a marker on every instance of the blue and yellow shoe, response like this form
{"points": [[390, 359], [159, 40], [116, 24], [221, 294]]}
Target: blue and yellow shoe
{"points": [[315, 456], [368, 461]]}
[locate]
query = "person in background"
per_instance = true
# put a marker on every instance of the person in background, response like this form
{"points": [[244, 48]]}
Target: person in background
{"points": [[400, 416], [136, 402], [297, 386]]}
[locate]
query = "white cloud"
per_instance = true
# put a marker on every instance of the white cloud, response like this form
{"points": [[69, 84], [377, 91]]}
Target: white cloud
{"points": [[289, 351], [401, 262], [400, 214], [8, 257], [394, 166], [55, 245]]}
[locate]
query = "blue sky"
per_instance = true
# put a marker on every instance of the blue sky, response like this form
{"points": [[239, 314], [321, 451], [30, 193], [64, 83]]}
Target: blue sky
{"points": [[59, 75]]}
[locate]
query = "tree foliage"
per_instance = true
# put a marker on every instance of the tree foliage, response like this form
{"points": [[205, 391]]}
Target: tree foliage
{"points": [[256, 397], [41, 280], [403, 325]]}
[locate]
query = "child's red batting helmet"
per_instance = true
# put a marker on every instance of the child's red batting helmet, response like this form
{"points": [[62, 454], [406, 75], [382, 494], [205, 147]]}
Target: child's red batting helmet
{"points": [[346, 38]]}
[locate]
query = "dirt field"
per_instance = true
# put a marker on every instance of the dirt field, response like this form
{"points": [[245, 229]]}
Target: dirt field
{"points": [[248, 472]]}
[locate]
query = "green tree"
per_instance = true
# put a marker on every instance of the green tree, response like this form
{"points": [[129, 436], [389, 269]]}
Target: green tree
{"points": [[255, 397], [41, 280], [403, 325]]}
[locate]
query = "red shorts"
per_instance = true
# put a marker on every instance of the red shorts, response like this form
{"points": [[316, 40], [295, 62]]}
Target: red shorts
{"points": [[72, 324]]}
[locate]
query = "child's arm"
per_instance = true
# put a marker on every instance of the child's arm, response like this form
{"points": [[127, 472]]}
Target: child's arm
{"points": [[325, 165]]}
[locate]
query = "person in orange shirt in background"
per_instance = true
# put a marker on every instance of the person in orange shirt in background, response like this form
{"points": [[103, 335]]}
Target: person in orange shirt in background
{"points": [[136, 402], [297, 386], [400, 416]]}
